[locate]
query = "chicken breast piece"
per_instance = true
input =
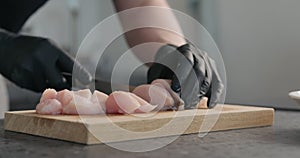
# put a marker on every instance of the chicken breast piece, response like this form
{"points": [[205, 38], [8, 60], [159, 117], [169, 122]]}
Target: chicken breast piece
{"points": [[126, 102], [69, 102], [155, 95], [166, 83], [49, 107], [99, 98], [203, 103], [160, 93], [178, 102], [121, 102], [144, 99], [48, 94], [82, 106], [82, 102], [86, 93], [64, 96], [145, 106]]}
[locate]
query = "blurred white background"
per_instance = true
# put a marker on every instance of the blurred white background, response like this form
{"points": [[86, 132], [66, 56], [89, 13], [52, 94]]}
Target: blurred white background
{"points": [[259, 41]]}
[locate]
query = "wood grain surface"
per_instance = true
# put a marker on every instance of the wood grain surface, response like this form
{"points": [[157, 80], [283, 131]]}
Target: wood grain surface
{"points": [[95, 129]]}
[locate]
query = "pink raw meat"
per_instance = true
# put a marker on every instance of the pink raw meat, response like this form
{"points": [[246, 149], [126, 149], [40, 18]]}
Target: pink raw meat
{"points": [[145, 106], [203, 103], [48, 94], [126, 102], [166, 83], [154, 94], [49, 107], [178, 102], [144, 99], [121, 102], [85, 93], [64, 96], [80, 105], [99, 98], [83, 103], [160, 93], [71, 102]]}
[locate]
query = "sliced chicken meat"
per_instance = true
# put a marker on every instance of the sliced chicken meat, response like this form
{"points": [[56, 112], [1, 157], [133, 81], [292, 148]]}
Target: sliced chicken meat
{"points": [[145, 107], [82, 102], [126, 102], [160, 93], [145, 98], [85, 93], [155, 95], [49, 107], [71, 102], [48, 94], [99, 98], [64, 96]]}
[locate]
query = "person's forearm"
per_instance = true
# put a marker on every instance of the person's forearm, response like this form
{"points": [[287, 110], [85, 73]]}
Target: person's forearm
{"points": [[157, 25]]}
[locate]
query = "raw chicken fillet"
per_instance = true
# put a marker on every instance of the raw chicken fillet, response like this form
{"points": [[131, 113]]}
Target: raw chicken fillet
{"points": [[71, 102], [145, 98]]}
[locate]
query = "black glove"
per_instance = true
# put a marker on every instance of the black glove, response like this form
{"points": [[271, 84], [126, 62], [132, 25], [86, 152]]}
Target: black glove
{"points": [[193, 68], [36, 63]]}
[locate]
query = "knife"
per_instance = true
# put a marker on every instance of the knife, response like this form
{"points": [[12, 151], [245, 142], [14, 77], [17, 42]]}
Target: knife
{"points": [[102, 85]]}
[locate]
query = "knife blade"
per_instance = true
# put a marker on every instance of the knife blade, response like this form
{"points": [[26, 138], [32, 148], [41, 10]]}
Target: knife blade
{"points": [[103, 85]]}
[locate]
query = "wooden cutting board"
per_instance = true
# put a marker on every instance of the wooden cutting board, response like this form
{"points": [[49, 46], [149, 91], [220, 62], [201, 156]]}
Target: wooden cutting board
{"points": [[96, 129]]}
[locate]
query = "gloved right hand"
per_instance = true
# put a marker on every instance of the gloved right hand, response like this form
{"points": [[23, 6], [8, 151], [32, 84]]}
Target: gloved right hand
{"points": [[36, 63]]}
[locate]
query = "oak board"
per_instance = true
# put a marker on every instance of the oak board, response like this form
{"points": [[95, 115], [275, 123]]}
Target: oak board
{"points": [[96, 129]]}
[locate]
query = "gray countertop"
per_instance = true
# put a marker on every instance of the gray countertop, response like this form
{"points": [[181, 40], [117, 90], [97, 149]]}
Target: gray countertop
{"points": [[280, 140]]}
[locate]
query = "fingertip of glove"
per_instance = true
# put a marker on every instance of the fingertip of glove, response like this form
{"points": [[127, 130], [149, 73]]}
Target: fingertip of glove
{"points": [[175, 85]]}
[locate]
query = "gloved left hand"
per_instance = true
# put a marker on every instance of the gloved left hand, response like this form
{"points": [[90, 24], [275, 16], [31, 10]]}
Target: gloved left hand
{"points": [[37, 63], [193, 73]]}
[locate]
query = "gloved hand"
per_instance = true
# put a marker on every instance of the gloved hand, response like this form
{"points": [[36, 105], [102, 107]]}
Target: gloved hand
{"points": [[36, 63], [194, 74]]}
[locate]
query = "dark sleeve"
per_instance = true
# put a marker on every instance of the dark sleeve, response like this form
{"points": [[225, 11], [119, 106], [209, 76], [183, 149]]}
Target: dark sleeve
{"points": [[14, 13]]}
